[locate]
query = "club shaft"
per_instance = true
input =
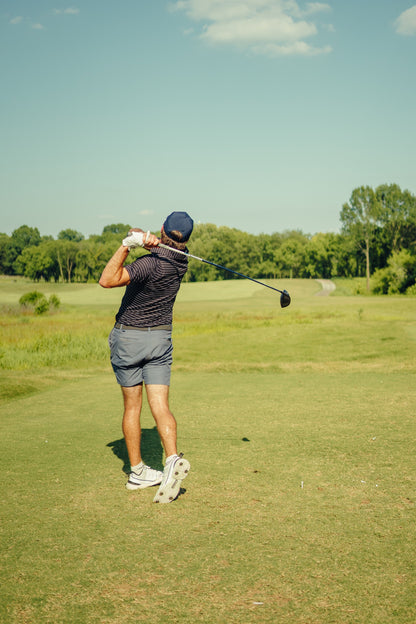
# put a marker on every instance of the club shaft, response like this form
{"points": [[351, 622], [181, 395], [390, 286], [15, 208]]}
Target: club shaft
{"points": [[218, 266]]}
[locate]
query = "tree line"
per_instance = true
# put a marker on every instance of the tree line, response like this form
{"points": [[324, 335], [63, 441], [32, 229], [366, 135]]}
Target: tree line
{"points": [[377, 240]]}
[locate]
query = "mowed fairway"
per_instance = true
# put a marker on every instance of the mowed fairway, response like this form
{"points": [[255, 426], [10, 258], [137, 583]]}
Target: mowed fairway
{"points": [[299, 425]]}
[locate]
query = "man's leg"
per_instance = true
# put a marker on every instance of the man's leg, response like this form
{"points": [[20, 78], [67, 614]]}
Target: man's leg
{"points": [[177, 468], [133, 397], [141, 476], [158, 398]]}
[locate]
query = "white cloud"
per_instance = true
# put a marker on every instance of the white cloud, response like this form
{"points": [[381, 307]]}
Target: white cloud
{"points": [[310, 8], [298, 48], [258, 29], [37, 25], [68, 11], [271, 27], [406, 22], [316, 7]]}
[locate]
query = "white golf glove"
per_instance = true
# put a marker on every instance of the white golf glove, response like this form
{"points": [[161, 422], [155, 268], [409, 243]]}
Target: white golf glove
{"points": [[136, 239]]}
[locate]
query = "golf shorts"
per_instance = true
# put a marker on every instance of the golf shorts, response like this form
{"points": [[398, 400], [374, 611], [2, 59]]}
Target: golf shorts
{"points": [[141, 356]]}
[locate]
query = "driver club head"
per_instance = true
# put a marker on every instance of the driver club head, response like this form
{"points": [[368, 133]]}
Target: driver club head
{"points": [[284, 299]]}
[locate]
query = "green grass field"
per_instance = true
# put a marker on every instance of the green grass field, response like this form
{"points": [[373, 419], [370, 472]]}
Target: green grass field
{"points": [[299, 425]]}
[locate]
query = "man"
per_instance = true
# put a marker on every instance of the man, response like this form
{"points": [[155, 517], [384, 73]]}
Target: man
{"points": [[141, 345]]}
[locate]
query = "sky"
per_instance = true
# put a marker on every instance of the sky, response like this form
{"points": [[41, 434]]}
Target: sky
{"points": [[261, 115]]}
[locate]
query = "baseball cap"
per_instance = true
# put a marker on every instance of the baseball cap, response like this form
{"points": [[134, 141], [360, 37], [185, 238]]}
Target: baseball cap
{"points": [[178, 222]]}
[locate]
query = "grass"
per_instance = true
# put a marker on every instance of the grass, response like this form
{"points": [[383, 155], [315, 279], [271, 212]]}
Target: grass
{"points": [[299, 425], [352, 286]]}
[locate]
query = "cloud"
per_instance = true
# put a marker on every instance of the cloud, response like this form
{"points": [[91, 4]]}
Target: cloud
{"points": [[316, 7], [68, 11], [258, 29], [310, 8], [406, 22], [269, 27], [37, 25], [298, 48], [34, 25]]}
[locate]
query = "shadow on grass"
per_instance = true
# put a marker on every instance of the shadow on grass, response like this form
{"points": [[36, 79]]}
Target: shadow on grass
{"points": [[152, 450]]}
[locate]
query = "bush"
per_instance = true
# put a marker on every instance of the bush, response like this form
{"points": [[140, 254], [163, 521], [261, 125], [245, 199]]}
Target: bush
{"points": [[382, 279], [42, 305], [30, 299], [54, 302], [37, 302], [397, 276]]}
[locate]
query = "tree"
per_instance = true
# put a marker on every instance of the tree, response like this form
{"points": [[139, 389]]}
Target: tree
{"points": [[397, 216], [321, 256], [70, 235], [289, 254], [22, 237], [116, 228], [267, 245], [36, 263], [359, 219], [25, 236], [91, 259], [290, 257], [65, 254], [345, 261], [201, 244], [5, 263]]}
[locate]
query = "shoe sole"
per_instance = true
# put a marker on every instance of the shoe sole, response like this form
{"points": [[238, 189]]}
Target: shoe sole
{"points": [[130, 485], [135, 486], [169, 491]]}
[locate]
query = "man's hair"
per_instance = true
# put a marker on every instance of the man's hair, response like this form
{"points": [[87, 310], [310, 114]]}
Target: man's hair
{"points": [[166, 240]]}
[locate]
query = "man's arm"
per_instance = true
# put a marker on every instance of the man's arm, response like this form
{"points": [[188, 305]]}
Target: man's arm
{"points": [[115, 274]]}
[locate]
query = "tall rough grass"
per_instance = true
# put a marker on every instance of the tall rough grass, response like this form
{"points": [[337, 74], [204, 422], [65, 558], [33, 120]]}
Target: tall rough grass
{"points": [[58, 350]]}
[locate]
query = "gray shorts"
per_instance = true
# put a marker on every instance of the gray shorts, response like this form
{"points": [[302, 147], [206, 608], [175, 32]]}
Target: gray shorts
{"points": [[141, 356]]}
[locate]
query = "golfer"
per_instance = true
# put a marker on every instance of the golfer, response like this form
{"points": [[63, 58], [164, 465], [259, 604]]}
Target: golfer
{"points": [[141, 345]]}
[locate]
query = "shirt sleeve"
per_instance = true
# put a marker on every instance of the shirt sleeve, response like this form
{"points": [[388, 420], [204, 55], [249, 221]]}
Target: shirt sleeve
{"points": [[139, 270]]}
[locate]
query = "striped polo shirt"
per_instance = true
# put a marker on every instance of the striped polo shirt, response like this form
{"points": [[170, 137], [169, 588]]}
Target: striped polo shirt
{"points": [[154, 283]]}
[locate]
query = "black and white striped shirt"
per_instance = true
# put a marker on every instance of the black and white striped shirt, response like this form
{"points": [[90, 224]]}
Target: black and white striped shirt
{"points": [[154, 283]]}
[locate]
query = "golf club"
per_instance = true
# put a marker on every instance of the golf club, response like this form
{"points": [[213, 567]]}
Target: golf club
{"points": [[284, 295]]}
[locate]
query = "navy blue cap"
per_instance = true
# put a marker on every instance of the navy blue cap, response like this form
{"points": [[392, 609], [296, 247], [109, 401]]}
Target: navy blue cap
{"points": [[179, 222]]}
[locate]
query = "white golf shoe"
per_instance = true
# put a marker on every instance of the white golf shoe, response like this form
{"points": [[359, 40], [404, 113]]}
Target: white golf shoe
{"points": [[175, 471], [144, 477]]}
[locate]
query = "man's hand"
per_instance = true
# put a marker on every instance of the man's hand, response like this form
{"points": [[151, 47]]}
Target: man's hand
{"points": [[138, 238], [135, 239]]}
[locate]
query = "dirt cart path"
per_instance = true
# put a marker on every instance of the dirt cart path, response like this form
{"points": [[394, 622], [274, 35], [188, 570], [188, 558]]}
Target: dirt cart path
{"points": [[328, 286]]}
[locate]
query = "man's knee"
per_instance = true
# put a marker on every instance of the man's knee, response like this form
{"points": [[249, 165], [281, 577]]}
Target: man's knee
{"points": [[158, 395], [132, 395]]}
